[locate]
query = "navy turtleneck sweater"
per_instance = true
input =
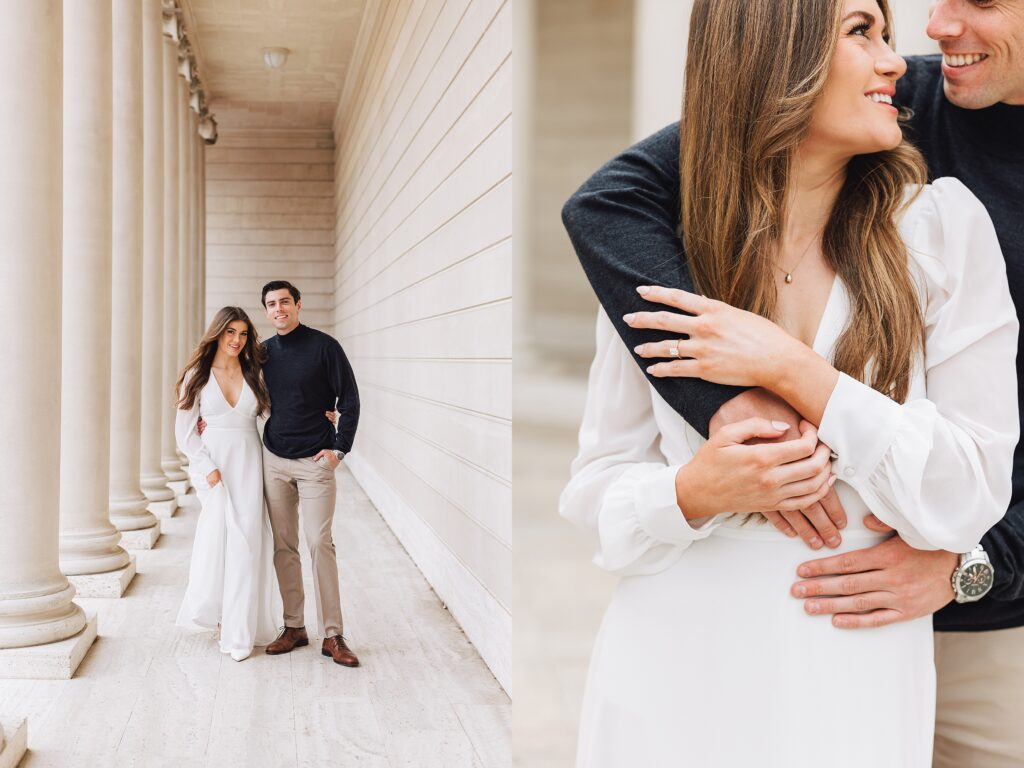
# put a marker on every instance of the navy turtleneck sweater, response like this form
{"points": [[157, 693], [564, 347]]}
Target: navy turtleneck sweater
{"points": [[308, 374], [624, 222]]}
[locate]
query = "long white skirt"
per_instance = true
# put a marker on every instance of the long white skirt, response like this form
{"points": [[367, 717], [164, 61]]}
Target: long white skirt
{"points": [[231, 579], [713, 664]]}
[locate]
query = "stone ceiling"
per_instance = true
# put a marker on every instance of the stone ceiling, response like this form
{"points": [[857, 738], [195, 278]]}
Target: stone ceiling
{"points": [[230, 35]]}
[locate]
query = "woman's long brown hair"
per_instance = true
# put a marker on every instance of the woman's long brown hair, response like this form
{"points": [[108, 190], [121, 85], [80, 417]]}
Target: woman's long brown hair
{"points": [[754, 72], [199, 364]]}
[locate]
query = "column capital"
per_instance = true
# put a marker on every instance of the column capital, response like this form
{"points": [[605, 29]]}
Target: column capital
{"points": [[172, 25], [208, 129]]}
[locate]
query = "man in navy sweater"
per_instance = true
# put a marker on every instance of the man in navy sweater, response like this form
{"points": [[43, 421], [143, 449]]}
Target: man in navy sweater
{"points": [[968, 120], [307, 374]]}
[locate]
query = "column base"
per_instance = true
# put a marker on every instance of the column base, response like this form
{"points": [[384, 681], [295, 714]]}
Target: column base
{"points": [[16, 733], [141, 538], [53, 661], [180, 488], [109, 584], [163, 509]]}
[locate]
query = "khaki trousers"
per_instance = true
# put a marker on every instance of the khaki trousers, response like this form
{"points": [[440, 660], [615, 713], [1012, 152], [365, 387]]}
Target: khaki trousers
{"points": [[979, 717], [286, 483]]}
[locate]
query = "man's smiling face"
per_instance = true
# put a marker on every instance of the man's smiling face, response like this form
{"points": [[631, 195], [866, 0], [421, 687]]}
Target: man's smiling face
{"points": [[282, 310], [982, 43]]}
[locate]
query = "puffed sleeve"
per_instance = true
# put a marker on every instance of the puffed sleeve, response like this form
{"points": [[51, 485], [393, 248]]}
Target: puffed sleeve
{"points": [[937, 468], [622, 487], [190, 443]]}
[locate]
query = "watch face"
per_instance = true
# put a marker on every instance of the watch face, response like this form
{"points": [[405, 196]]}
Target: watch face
{"points": [[975, 580]]}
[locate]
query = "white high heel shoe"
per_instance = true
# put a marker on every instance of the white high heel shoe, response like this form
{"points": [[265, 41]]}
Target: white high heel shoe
{"points": [[240, 655]]}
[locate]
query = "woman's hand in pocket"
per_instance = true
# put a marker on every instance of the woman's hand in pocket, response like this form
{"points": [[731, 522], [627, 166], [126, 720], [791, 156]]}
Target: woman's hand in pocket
{"points": [[213, 478]]}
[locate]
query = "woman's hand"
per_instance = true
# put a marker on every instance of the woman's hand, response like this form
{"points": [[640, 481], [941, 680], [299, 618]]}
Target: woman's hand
{"points": [[818, 525], [727, 476], [213, 478], [725, 345]]}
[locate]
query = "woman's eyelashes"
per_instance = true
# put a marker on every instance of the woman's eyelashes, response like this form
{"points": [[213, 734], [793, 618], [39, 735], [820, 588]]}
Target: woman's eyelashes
{"points": [[864, 28]]}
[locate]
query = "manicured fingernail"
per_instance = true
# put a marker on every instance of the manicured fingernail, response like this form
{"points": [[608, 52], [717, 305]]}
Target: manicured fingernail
{"points": [[643, 290], [801, 590], [650, 369], [791, 533], [638, 348], [780, 425], [629, 318], [815, 542], [803, 570], [834, 542], [832, 480], [812, 607], [841, 524]]}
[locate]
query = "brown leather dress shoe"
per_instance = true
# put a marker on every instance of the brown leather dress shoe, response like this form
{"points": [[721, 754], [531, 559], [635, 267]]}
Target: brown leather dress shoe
{"points": [[335, 648], [290, 639]]}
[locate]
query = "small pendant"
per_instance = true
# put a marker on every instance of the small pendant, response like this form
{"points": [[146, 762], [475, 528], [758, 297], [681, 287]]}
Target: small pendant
{"points": [[789, 278]]}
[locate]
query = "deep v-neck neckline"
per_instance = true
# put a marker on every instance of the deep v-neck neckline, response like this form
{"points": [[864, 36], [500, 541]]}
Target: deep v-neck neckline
{"points": [[223, 395], [824, 317], [826, 314]]}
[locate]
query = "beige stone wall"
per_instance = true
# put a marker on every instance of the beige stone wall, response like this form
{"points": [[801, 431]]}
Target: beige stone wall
{"points": [[270, 216], [422, 293]]}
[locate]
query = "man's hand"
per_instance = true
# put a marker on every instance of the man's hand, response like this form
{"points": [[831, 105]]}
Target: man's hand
{"points": [[880, 585], [821, 521], [328, 454], [200, 426]]}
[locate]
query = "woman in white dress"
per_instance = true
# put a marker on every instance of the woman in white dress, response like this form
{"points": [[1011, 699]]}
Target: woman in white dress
{"points": [[897, 337], [231, 582]]}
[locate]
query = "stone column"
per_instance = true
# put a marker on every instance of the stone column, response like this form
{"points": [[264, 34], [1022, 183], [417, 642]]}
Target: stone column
{"points": [[201, 303], [139, 527], [660, 32], [156, 393], [35, 597], [169, 460], [184, 343], [195, 314], [90, 551]]}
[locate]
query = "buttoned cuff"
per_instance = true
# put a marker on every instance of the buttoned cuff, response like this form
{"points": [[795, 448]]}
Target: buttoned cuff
{"points": [[658, 513], [859, 425]]}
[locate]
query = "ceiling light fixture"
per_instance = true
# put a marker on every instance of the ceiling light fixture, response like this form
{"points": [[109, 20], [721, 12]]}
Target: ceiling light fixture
{"points": [[274, 58]]}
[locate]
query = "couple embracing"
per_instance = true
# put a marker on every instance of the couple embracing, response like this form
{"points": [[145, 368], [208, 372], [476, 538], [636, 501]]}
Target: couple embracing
{"points": [[247, 537], [829, 344]]}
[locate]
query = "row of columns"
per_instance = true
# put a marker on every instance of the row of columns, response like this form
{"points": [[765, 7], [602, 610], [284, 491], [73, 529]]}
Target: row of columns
{"points": [[101, 217]]}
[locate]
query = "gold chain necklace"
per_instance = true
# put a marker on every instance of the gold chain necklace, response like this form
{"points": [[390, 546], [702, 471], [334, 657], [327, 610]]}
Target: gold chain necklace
{"points": [[789, 272]]}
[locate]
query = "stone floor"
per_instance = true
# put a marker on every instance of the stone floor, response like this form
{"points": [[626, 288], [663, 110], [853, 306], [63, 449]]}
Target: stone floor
{"points": [[149, 694], [560, 594]]}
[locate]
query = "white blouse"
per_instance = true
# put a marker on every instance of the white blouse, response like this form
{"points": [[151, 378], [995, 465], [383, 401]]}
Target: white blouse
{"points": [[186, 429], [936, 468]]}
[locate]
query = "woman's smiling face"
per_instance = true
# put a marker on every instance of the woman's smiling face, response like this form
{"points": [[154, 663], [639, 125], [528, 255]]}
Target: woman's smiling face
{"points": [[234, 338], [854, 114]]}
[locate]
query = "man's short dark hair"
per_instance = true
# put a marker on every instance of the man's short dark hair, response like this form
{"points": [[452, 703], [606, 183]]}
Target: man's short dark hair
{"points": [[277, 285]]}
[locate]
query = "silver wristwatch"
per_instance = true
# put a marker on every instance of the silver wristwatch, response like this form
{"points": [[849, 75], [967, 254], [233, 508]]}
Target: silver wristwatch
{"points": [[972, 579], [339, 455]]}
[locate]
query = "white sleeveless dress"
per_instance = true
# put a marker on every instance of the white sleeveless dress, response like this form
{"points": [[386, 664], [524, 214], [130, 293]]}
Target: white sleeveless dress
{"points": [[231, 578], [703, 658]]}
